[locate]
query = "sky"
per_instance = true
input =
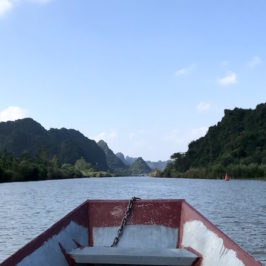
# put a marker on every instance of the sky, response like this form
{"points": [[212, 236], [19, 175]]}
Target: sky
{"points": [[148, 77]]}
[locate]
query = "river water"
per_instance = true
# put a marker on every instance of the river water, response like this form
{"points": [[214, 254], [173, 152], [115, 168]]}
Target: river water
{"points": [[237, 207]]}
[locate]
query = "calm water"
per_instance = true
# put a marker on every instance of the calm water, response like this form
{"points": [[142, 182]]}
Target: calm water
{"points": [[237, 207]]}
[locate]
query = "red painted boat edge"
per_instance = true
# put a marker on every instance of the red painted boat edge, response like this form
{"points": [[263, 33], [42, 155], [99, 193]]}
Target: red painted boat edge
{"points": [[146, 212], [84, 219], [188, 213], [84, 213], [38, 241]]}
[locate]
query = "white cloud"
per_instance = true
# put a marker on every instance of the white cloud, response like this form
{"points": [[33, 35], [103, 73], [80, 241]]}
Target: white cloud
{"points": [[12, 113], [229, 79], [106, 136], [181, 138], [256, 60], [203, 107], [185, 70], [5, 6]]}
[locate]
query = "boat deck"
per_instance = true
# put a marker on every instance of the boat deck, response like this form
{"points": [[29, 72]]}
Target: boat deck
{"points": [[132, 256]]}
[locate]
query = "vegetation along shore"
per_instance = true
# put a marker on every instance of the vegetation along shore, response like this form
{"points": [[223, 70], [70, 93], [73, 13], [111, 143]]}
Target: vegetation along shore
{"points": [[30, 152], [236, 145]]}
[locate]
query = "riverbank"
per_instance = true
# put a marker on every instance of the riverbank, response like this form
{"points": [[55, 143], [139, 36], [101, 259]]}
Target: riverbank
{"points": [[236, 171]]}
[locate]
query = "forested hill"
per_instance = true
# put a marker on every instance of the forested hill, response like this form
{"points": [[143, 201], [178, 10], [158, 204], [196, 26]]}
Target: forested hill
{"points": [[26, 136], [30, 152], [159, 165], [114, 163], [139, 167], [236, 145]]}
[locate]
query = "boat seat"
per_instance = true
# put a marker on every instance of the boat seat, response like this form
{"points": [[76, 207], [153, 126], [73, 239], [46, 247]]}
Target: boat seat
{"points": [[132, 256]]}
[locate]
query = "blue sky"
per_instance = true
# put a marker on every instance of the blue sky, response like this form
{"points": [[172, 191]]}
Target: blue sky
{"points": [[146, 76]]}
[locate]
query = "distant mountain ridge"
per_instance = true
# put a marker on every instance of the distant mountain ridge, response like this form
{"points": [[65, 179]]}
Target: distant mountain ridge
{"points": [[121, 156], [68, 145], [114, 163], [28, 137], [159, 165], [139, 167], [119, 165]]}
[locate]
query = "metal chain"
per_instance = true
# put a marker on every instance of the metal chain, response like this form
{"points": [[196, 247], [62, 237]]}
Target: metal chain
{"points": [[124, 221]]}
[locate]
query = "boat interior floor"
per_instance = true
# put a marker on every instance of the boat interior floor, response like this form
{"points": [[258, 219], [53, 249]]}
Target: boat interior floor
{"points": [[132, 256]]}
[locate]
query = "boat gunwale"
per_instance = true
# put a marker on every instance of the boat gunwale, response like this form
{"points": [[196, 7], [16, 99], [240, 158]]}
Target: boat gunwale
{"points": [[227, 241], [38, 241], [55, 228], [81, 213]]}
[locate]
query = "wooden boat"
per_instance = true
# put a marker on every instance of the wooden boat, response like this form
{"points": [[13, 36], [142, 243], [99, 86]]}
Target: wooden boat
{"points": [[152, 232]]}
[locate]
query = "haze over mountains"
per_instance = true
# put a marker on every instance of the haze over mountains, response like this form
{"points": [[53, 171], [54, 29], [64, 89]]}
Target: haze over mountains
{"points": [[127, 160]]}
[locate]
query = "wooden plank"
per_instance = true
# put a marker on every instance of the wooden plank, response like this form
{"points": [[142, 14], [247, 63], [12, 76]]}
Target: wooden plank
{"points": [[133, 256]]}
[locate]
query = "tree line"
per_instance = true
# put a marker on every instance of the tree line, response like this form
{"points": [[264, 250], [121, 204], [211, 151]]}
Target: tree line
{"points": [[236, 146], [40, 167]]}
